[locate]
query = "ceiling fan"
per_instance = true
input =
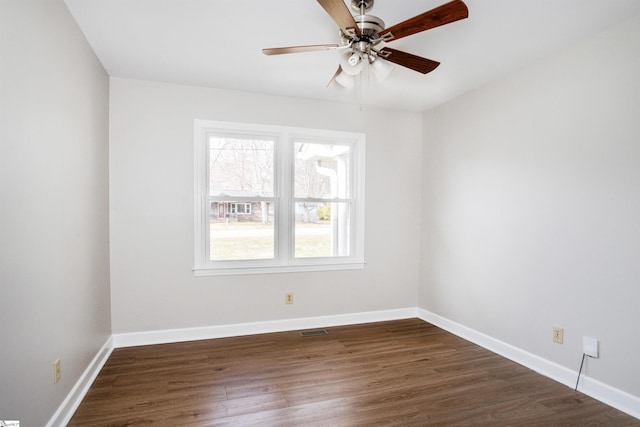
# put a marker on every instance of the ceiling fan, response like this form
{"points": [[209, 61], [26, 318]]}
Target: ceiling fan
{"points": [[361, 35]]}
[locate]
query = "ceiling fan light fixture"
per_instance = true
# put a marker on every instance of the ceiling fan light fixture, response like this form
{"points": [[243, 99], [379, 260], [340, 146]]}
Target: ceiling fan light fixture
{"points": [[351, 63], [345, 80], [361, 34], [381, 68]]}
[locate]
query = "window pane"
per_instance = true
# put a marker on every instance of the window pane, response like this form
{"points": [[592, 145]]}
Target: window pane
{"points": [[240, 167], [321, 170], [322, 230], [241, 230]]}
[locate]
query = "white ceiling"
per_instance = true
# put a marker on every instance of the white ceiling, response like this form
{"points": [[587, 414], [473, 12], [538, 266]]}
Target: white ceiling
{"points": [[218, 43]]}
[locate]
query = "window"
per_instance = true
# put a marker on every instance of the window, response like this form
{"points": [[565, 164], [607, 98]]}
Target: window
{"points": [[275, 199], [240, 208]]}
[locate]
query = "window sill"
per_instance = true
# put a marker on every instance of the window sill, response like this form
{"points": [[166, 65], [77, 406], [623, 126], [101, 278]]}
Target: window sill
{"points": [[233, 271]]}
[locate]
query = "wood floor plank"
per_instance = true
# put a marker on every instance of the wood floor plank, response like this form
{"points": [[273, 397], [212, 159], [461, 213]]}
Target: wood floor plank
{"points": [[398, 373]]}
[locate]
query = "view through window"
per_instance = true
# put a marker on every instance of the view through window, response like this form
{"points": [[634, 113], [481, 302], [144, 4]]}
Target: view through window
{"points": [[241, 198], [277, 199]]}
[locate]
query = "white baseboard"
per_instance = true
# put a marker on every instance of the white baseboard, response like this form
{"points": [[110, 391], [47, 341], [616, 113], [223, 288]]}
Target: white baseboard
{"points": [[613, 397], [68, 407], [133, 339]]}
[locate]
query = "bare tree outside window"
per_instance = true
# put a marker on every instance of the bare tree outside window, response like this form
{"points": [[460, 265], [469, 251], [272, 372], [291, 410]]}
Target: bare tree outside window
{"points": [[241, 167]]}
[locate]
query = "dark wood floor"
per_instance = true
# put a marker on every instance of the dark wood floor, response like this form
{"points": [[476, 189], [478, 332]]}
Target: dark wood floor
{"points": [[405, 372]]}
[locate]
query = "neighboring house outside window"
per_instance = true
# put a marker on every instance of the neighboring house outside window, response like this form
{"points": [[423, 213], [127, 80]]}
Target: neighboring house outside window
{"points": [[272, 199], [232, 209]]}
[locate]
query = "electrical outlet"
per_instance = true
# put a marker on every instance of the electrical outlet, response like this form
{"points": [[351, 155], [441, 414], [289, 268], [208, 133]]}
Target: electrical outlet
{"points": [[288, 298], [558, 335], [56, 371]]}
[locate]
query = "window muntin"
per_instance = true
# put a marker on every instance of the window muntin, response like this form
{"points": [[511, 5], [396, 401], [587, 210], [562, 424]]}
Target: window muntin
{"points": [[272, 199]]}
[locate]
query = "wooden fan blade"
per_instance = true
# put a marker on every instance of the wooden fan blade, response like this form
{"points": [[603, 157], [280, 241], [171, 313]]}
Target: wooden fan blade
{"points": [[339, 12], [297, 49], [414, 62], [445, 14]]}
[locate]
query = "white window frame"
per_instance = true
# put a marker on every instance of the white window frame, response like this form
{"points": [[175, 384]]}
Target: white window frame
{"points": [[284, 224]]}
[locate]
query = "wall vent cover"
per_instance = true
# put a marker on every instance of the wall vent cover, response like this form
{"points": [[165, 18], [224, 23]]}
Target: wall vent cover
{"points": [[314, 332]]}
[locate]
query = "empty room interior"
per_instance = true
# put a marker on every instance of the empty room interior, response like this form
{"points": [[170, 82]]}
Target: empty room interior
{"points": [[485, 191]]}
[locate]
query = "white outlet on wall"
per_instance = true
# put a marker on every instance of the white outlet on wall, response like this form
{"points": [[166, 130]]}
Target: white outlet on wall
{"points": [[590, 346], [56, 371], [558, 335]]}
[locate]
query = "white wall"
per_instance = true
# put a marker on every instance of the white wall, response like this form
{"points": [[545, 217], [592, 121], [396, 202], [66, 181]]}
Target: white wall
{"points": [[531, 207], [151, 183], [54, 250]]}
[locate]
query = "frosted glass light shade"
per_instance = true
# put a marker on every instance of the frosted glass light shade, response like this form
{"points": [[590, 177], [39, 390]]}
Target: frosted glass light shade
{"points": [[346, 80], [381, 68], [351, 63]]}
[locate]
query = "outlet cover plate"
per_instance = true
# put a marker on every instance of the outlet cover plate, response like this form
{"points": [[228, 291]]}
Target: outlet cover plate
{"points": [[56, 371], [590, 346], [558, 335]]}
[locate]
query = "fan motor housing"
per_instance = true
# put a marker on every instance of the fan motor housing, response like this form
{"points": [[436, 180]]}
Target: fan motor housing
{"points": [[369, 26]]}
